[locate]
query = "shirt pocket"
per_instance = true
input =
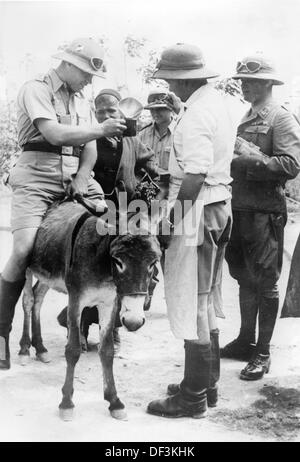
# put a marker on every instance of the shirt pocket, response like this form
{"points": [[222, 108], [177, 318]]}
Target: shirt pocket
{"points": [[261, 135]]}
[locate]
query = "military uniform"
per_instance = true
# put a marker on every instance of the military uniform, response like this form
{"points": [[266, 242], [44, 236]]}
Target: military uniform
{"points": [[255, 250], [160, 144], [43, 171], [254, 253]]}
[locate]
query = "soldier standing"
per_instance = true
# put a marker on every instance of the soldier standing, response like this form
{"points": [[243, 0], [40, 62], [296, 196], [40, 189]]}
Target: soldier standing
{"points": [[266, 156]]}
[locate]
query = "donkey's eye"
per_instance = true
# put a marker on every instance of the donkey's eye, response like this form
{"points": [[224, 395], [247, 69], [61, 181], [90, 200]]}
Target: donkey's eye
{"points": [[118, 264], [151, 266]]}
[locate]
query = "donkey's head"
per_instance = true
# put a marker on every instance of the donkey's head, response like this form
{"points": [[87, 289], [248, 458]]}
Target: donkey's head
{"points": [[133, 258]]}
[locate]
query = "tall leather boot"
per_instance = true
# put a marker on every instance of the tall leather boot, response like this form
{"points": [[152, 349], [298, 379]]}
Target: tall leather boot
{"points": [[9, 295], [212, 391], [243, 347], [261, 361], [191, 399]]}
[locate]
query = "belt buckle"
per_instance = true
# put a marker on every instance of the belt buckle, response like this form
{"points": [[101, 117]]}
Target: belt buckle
{"points": [[67, 150]]}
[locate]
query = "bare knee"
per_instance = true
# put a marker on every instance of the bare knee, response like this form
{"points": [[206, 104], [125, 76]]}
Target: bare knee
{"points": [[23, 241]]}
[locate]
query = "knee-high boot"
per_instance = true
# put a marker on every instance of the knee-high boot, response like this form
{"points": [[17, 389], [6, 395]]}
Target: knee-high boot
{"points": [[191, 399], [212, 390], [249, 308], [260, 363], [242, 347], [268, 310], [9, 295]]}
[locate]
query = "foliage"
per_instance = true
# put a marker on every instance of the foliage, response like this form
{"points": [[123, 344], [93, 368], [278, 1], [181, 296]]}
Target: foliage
{"points": [[230, 86], [8, 136], [134, 46]]}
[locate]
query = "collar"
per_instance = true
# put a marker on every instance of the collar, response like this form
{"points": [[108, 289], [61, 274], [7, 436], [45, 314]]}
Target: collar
{"points": [[205, 89], [262, 113], [57, 84], [56, 81], [170, 127]]}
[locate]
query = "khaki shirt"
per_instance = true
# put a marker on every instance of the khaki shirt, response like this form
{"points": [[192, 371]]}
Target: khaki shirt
{"points": [[160, 144], [48, 97]]}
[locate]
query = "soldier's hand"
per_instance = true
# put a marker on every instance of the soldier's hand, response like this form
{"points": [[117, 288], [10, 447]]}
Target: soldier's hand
{"points": [[113, 127], [173, 102], [78, 186]]}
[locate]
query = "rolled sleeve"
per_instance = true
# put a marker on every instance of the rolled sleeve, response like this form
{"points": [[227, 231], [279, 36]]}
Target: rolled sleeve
{"points": [[199, 129], [36, 100]]}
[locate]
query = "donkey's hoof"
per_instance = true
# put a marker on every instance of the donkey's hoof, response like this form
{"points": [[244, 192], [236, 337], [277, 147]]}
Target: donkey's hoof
{"points": [[119, 414], [43, 357], [66, 414], [24, 359]]}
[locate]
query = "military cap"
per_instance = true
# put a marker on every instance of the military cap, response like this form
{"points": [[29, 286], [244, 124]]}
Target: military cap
{"points": [[86, 54], [259, 67], [156, 99], [182, 61]]}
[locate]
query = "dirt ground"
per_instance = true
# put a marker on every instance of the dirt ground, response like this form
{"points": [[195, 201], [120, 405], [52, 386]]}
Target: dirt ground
{"points": [[265, 410]]}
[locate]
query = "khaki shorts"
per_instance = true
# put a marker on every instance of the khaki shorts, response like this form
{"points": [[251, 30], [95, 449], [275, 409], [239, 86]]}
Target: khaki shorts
{"points": [[37, 180]]}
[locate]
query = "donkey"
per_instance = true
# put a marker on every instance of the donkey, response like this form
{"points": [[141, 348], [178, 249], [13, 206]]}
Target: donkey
{"points": [[71, 255]]}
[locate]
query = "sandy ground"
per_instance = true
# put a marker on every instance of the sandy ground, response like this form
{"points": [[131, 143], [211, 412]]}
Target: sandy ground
{"points": [[265, 410]]}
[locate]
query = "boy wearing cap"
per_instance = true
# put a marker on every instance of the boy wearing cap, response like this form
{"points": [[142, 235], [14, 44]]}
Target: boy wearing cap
{"points": [[267, 154], [159, 135], [200, 170], [57, 136]]}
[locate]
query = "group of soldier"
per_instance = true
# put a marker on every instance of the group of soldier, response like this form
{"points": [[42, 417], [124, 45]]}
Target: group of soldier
{"points": [[194, 153]]}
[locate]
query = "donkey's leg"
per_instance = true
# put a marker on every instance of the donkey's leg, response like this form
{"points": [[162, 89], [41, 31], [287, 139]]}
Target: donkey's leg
{"points": [[27, 302], [39, 292], [72, 354], [106, 352]]}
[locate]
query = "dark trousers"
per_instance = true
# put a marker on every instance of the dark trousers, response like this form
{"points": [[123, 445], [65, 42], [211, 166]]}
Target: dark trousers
{"points": [[254, 256]]}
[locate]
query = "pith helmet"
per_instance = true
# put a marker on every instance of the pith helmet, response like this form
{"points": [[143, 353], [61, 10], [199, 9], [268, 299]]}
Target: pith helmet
{"points": [[86, 54], [182, 61], [257, 66], [156, 99]]}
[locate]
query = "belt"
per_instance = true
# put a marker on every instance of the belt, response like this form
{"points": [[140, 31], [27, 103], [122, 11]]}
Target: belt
{"points": [[47, 147]]}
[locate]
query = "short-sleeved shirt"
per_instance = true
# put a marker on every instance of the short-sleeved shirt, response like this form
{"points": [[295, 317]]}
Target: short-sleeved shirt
{"points": [[160, 144], [48, 97]]}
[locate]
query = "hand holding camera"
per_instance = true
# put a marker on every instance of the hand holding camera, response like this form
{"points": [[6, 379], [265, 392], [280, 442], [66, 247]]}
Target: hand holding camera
{"points": [[113, 127]]}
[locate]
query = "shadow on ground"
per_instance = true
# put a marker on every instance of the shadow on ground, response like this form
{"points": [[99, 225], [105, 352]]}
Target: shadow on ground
{"points": [[277, 414]]}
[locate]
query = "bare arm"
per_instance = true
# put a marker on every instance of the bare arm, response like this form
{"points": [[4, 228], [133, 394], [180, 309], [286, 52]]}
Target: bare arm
{"points": [[68, 135], [79, 183]]}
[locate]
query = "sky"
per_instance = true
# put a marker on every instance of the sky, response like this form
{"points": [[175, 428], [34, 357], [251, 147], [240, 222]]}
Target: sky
{"points": [[226, 30]]}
